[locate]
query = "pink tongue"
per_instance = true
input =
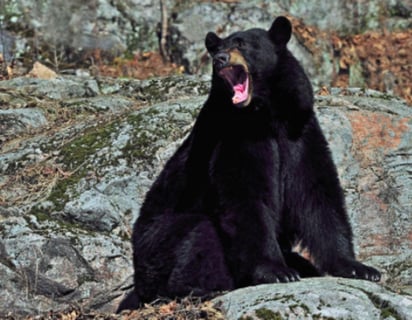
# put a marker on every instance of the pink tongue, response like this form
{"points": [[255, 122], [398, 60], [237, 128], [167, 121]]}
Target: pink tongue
{"points": [[241, 93]]}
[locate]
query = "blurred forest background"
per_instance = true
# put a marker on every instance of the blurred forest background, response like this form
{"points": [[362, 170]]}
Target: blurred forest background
{"points": [[340, 43]]}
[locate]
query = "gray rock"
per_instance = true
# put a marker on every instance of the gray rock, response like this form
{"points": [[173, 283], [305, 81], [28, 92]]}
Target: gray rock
{"points": [[131, 154], [14, 121], [379, 137], [55, 89], [317, 298], [65, 232], [93, 211], [114, 104], [112, 27], [7, 46]]}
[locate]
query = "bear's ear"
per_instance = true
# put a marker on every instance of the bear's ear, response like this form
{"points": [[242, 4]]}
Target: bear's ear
{"points": [[280, 31], [212, 42]]}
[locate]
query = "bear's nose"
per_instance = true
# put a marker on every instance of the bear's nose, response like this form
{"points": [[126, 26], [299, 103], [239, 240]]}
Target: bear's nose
{"points": [[221, 59]]}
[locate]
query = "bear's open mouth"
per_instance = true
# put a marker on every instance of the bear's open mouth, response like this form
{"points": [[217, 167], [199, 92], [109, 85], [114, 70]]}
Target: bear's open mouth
{"points": [[237, 78]]}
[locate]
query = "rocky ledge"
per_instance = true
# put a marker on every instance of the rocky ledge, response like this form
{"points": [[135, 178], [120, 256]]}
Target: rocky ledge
{"points": [[78, 155]]}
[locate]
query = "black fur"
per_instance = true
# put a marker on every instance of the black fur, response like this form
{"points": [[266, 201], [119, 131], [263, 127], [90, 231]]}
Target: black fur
{"points": [[246, 186]]}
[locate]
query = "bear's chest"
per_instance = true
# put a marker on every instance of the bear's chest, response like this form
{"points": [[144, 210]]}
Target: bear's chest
{"points": [[245, 164]]}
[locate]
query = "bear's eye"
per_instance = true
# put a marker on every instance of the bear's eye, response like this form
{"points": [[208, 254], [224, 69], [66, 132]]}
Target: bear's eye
{"points": [[239, 43]]}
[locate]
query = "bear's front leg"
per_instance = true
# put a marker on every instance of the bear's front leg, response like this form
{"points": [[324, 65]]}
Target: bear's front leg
{"points": [[248, 232], [244, 175]]}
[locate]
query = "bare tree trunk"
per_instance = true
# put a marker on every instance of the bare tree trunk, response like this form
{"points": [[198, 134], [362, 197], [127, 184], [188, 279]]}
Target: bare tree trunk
{"points": [[163, 30]]}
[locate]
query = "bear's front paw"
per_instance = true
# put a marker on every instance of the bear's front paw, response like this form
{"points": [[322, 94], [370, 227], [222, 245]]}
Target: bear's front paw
{"points": [[356, 270], [269, 273]]}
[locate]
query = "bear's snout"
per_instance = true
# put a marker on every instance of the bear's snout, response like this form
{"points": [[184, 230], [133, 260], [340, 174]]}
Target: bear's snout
{"points": [[221, 60]]}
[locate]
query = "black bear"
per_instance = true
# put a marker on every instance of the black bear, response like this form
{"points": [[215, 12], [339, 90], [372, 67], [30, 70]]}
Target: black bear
{"points": [[253, 179]]}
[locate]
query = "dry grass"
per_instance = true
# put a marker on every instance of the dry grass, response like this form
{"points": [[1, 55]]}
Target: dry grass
{"points": [[30, 184], [186, 309]]}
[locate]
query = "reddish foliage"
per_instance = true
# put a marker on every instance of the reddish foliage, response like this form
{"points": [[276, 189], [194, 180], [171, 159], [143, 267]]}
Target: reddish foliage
{"points": [[385, 58], [142, 66]]}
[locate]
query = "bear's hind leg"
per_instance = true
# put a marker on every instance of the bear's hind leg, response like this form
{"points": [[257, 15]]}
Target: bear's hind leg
{"points": [[176, 255], [200, 268], [130, 302]]}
